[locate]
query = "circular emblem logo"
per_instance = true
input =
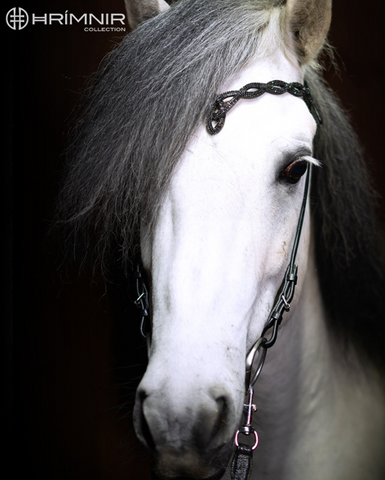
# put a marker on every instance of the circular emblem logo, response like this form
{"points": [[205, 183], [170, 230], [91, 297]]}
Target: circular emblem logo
{"points": [[17, 18]]}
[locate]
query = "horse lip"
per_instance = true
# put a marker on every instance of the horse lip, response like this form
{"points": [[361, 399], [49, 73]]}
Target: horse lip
{"points": [[193, 464], [216, 476]]}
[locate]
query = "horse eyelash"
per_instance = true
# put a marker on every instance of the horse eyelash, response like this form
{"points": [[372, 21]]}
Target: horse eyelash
{"points": [[311, 160]]}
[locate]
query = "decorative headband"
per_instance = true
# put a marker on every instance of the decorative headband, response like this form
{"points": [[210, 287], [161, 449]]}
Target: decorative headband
{"points": [[224, 102]]}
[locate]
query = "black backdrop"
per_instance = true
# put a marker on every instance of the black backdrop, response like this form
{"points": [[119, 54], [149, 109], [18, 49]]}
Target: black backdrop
{"points": [[60, 351]]}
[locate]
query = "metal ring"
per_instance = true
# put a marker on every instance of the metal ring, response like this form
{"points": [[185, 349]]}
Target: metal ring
{"points": [[236, 441], [142, 325], [250, 360], [269, 343]]}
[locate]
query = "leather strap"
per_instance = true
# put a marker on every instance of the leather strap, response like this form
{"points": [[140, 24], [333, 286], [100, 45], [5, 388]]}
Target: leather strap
{"points": [[241, 463]]}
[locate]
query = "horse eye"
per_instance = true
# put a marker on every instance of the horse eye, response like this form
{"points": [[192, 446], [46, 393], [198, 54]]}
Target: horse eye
{"points": [[294, 171]]}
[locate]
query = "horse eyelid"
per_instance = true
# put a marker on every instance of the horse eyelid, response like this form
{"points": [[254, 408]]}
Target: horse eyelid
{"points": [[285, 173], [300, 158]]}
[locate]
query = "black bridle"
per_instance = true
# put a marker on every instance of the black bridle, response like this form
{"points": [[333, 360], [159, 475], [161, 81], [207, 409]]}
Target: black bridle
{"points": [[225, 101], [242, 459]]}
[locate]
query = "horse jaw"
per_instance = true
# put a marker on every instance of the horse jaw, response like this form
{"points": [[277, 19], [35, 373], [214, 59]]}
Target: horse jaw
{"points": [[216, 259]]}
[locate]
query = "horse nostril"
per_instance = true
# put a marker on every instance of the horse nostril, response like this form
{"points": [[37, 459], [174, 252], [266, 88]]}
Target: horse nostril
{"points": [[222, 413], [161, 424], [141, 426], [218, 424]]}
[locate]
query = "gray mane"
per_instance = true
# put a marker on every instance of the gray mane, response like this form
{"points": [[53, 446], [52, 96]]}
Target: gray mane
{"points": [[342, 203], [141, 110]]}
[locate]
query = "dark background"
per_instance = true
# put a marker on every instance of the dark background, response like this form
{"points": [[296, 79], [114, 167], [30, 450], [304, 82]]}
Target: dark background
{"points": [[60, 355]]}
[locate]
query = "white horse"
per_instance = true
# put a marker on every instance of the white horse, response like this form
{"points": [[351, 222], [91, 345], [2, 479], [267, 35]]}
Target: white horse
{"points": [[219, 240]]}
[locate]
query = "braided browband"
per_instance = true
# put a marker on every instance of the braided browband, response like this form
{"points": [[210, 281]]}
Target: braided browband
{"points": [[224, 102]]}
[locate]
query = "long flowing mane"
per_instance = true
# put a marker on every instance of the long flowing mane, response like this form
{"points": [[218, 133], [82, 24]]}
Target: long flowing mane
{"points": [[142, 109], [348, 263]]}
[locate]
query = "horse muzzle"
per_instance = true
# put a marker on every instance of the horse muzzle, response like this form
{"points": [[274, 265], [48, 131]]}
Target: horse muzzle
{"points": [[190, 436]]}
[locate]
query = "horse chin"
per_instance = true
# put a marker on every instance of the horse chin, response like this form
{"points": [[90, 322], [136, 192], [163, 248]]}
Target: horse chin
{"points": [[177, 464]]}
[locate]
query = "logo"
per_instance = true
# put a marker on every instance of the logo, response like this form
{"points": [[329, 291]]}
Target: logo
{"points": [[17, 18]]}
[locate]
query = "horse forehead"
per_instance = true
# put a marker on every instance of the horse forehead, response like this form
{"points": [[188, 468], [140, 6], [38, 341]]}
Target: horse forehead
{"points": [[255, 135], [264, 68], [268, 118]]}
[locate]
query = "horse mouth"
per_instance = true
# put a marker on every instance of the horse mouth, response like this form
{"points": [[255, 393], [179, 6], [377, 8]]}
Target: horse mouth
{"points": [[216, 476], [188, 464]]}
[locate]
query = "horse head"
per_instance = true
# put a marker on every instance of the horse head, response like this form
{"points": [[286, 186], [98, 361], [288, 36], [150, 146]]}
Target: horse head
{"points": [[216, 252], [198, 144]]}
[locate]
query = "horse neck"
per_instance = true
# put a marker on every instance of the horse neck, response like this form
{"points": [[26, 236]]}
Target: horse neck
{"points": [[320, 413]]}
